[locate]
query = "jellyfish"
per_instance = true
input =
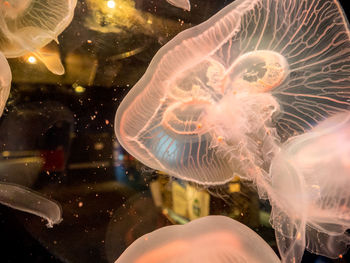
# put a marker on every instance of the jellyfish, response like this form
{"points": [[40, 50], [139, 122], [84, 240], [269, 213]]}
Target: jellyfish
{"points": [[309, 194], [208, 239], [28, 25], [221, 97], [5, 82], [184, 4]]}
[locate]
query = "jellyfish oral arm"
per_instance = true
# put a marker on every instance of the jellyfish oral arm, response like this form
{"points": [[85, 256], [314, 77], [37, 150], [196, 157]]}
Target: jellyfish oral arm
{"points": [[26, 200], [291, 248], [184, 4], [51, 61]]}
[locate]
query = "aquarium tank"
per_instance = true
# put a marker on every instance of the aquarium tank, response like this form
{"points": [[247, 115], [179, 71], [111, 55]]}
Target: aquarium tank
{"points": [[159, 131]]}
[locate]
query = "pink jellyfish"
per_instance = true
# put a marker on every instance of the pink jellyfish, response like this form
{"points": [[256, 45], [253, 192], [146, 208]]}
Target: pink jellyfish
{"points": [[211, 239], [220, 97], [5, 82], [310, 194], [28, 25]]}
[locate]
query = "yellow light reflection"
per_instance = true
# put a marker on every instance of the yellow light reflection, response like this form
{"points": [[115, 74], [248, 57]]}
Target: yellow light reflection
{"points": [[31, 60], [79, 89], [111, 4], [5, 153]]}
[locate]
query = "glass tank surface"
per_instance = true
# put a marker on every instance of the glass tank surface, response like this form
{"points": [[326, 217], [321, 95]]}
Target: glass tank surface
{"points": [[167, 130]]}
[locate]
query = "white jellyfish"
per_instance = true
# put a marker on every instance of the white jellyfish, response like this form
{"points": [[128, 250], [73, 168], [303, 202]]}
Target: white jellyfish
{"points": [[184, 4], [5, 82], [211, 239], [310, 194], [28, 25], [220, 97]]}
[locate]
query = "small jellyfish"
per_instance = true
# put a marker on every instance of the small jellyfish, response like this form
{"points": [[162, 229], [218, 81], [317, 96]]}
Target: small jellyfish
{"points": [[310, 194], [184, 4], [5, 82], [222, 96], [21, 198], [28, 25], [211, 239]]}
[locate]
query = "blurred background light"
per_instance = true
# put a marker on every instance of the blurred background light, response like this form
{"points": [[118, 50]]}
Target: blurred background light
{"points": [[31, 60], [111, 4]]}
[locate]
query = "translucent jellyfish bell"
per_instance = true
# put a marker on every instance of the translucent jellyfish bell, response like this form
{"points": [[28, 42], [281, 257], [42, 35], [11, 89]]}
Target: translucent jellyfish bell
{"points": [[28, 25], [219, 97], [5, 82], [14, 7], [310, 194], [211, 239]]}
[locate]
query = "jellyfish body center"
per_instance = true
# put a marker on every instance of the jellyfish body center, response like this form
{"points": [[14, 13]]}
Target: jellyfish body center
{"points": [[257, 71], [13, 8], [227, 120]]}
